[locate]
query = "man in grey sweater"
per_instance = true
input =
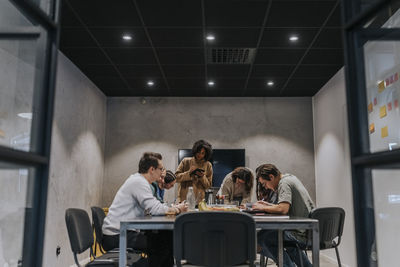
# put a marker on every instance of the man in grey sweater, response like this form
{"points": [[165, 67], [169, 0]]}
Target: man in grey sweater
{"points": [[293, 200], [135, 199]]}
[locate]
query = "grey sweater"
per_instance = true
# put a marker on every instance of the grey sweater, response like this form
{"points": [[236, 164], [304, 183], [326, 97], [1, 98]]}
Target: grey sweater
{"points": [[133, 197]]}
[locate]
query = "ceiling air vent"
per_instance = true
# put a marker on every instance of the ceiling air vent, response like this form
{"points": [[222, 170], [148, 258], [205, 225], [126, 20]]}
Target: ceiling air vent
{"points": [[230, 55]]}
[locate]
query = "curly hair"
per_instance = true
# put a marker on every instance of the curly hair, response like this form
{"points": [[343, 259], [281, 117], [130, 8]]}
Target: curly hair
{"points": [[245, 175], [202, 144]]}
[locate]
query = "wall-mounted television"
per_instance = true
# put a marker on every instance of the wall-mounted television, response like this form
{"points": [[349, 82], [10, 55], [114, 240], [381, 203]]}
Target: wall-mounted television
{"points": [[223, 161]]}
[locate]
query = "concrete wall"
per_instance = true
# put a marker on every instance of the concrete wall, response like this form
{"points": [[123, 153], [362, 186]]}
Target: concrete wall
{"points": [[77, 164], [332, 160], [276, 130]]}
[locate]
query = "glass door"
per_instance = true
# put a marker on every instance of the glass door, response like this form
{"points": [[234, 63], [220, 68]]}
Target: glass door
{"points": [[372, 51], [28, 49]]}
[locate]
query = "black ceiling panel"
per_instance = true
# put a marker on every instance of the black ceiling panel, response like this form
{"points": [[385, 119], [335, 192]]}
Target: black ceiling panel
{"points": [[172, 37], [316, 71], [103, 13], [76, 37], [278, 37], [167, 46], [184, 71], [235, 13], [86, 56], [233, 37], [272, 71], [181, 56], [279, 56], [112, 37], [299, 13], [131, 55], [324, 56], [329, 38], [224, 71], [100, 70], [170, 13], [144, 71]]}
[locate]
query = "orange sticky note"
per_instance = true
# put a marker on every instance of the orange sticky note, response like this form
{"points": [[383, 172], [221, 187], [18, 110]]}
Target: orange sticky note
{"points": [[370, 107], [381, 86], [372, 128], [382, 111], [384, 132], [389, 106]]}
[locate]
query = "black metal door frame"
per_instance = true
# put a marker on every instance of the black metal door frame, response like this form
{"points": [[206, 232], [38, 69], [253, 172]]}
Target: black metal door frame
{"points": [[41, 128], [362, 161]]}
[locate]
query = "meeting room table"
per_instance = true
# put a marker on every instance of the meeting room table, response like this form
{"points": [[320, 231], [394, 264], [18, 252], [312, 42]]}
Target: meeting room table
{"points": [[270, 222]]}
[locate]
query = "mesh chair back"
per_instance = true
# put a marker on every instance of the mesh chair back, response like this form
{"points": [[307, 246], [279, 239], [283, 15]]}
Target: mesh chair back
{"points": [[331, 222], [79, 230], [98, 216], [215, 238]]}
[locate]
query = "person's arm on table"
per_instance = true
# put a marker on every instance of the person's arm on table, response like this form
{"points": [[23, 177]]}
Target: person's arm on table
{"points": [[281, 208]]}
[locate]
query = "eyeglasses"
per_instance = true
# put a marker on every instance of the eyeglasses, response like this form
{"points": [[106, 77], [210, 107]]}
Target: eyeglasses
{"points": [[161, 168]]}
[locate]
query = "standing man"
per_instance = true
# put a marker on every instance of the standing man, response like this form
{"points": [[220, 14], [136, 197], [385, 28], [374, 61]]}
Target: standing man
{"points": [[293, 200], [135, 199]]}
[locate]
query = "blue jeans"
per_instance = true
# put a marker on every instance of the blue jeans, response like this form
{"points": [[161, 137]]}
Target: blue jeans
{"points": [[268, 241]]}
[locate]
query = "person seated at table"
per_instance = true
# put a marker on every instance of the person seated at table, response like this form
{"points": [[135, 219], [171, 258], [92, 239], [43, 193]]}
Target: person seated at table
{"points": [[133, 199], [167, 181], [195, 171], [237, 186], [265, 194], [293, 200]]}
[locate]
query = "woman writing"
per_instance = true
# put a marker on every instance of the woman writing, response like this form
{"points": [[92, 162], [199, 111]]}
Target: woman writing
{"points": [[195, 171], [237, 186]]}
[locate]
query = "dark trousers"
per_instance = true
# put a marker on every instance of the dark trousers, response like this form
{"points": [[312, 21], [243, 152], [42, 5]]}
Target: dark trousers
{"points": [[158, 245]]}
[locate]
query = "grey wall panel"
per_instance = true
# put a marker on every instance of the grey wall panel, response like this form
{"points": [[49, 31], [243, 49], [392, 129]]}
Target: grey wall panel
{"points": [[275, 130]]}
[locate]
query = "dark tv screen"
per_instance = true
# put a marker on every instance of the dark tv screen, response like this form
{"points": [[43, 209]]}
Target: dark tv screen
{"points": [[223, 161]]}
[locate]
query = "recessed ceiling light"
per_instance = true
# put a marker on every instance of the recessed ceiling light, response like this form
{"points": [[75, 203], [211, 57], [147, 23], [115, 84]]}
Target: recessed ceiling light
{"points": [[150, 83], [211, 83], [210, 37], [293, 38], [27, 115], [127, 37], [270, 83]]}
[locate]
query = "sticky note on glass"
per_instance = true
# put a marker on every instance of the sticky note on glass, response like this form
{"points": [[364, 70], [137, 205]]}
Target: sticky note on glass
{"points": [[370, 107], [384, 132], [382, 111], [381, 86], [372, 128], [389, 106], [375, 101], [396, 103]]}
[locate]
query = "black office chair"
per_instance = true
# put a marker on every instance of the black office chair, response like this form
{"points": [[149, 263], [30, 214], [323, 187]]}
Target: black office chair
{"points": [[331, 223], [215, 239], [98, 216], [81, 238]]}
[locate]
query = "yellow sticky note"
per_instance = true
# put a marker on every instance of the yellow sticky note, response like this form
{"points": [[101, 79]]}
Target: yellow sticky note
{"points": [[382, 111], [384, 132], [370, 107], [372, 128], [381, 86], [2, 134]]}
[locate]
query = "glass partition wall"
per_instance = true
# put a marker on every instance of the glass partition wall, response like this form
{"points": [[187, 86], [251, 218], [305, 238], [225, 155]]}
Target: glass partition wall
{"points": [[28, 49], [372, 55]]}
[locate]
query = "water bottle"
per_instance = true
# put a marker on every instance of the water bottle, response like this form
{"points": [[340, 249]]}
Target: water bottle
{"points": [[191, 199]]}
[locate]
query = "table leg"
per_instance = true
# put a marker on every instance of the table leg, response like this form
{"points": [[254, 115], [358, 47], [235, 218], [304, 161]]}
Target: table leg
{"points": [[280, 248], [315, 245], [122, 247]]}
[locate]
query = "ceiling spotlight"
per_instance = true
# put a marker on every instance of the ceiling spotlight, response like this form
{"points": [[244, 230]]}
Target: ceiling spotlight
{"points": [[211, 83], [293, 38], [210, 37], [126, 37], [150, 83], [270, 83]]}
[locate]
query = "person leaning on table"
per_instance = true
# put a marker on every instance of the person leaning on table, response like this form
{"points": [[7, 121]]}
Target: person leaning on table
{"points": [[200, 180], [293, 200], [166, 182], [132, 200], [237, 186]]}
